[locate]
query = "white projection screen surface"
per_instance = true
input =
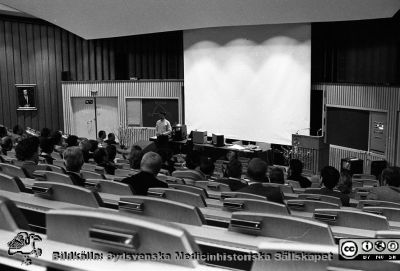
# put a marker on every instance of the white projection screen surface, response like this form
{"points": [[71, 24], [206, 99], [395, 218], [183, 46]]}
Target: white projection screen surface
{"points": [[249, 82]]}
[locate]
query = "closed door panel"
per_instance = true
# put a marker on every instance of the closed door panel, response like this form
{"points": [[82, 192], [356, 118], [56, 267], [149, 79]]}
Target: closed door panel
{"points": [[83, 116], [107, 114]]}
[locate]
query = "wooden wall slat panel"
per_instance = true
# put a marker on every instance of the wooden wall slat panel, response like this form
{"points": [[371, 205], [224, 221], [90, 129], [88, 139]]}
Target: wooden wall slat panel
{"points": [[4, 108], [37, 52]]}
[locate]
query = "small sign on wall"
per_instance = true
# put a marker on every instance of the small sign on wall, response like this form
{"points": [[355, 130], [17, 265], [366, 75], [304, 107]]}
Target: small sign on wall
{"points": [[88, 101]]}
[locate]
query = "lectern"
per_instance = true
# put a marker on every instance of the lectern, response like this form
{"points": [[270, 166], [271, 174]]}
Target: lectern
{"points": [[312, 151]]}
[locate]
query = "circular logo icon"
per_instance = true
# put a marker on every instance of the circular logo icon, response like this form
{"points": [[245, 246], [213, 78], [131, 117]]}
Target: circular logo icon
{"points": [[348, 249], [367, 246], [393, 246], [380, 246]]}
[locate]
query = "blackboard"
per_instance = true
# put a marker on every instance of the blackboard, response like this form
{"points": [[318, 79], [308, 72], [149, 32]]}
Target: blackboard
{"points": [[347, 127], [152, 107]]}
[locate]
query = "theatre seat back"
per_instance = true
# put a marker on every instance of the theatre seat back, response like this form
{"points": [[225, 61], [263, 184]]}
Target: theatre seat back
{"points": [[11, 184], [67, 193], [213, 186], [115, 232], [111, 187], [352, 219], [225, 195], [12, 170], [282, 227], [390, 213], [178, 196], [305, 205], [190, 188], [320, 197], [163, 209], [91, 175], [254, 205], [58, 178], [11, 218], [285, 188], [367, 203]]}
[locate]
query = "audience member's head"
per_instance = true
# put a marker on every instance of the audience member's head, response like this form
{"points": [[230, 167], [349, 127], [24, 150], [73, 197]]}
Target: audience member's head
{"points": [[257, 169], [102, 134], [6, 144], [345, 183], [193, 159], [207, 165], [100, 156], [18, 130], [276, 175], [135, 157], [111, 152], [72, 141], [57, 138], [111, 137], [28, 149], [391, 176], [46, 145], [94, 144], [234, 169], [45, 132], [330, 177], [151, 163], [73, 159], [295, 167], [230, 155], [3, 131]]}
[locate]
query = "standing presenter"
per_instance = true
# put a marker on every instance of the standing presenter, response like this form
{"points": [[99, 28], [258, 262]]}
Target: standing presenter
{"points": [[163, 129]]}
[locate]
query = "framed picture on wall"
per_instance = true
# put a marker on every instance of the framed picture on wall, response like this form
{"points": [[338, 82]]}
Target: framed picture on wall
{"points": [[26, 96]]}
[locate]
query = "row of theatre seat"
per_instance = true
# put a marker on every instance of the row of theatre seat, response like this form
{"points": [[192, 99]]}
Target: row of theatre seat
{"points": [[205, 218]]}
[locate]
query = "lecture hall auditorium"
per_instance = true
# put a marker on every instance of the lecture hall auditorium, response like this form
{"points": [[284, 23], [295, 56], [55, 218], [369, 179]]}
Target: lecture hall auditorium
{"points": [[199, 135]]}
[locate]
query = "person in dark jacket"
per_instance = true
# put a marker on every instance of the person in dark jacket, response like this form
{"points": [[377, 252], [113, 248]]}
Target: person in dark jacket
{"points": [[330, 179], [73, 157], [295, 171], [390, 191], [256, 172], [233, 175], [146, 178]]}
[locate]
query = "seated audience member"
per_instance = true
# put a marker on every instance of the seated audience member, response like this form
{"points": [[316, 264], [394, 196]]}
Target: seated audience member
{"points": [[27, 151], [73, 158], [72, 141], [256, 172], [45, 133], [167, 162], [3, 131], [345, 183], [17, 134], [146, 178], [111, 153], [295, 171], [85, 147], [6, 145], [330, 179], [111, 139], [101, 136], [192, 170], [101, 158], [58, 142], [206, 167], [135, 157], [94, 145], [232, 175], [230, 155], [390, 191], [276, 176], [46, 148]]}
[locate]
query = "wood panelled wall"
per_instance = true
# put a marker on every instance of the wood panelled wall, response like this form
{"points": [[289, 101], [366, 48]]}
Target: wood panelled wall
{"points": [[36, 52]]}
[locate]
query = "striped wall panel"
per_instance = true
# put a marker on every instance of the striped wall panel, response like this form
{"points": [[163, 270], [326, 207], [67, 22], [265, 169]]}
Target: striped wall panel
{"points": [[121, 90], [133, 135], [336, 153], [372, 98]]}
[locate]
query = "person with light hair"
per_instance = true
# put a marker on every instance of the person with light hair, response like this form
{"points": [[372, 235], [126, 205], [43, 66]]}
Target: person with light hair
{"points": [[150, 165], [73, 158]]}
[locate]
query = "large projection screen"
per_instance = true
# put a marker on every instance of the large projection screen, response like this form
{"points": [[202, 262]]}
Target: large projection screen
{"points": [[249, 82]]}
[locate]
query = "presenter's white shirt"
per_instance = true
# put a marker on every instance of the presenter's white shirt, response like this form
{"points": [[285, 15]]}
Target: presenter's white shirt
{"points": [[163, 126]]}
